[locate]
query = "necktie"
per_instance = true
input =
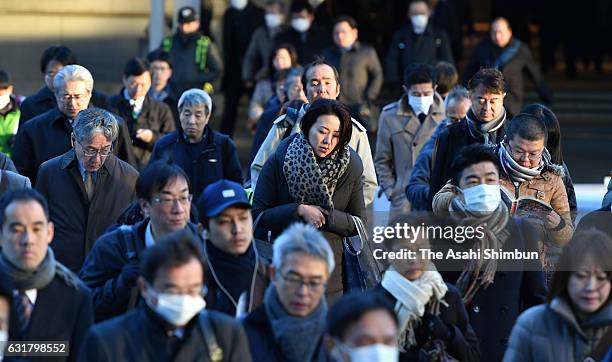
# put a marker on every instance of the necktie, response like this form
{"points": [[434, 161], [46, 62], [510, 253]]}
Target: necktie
{"points": [[89, 185], [421, 117], [23, 309]]}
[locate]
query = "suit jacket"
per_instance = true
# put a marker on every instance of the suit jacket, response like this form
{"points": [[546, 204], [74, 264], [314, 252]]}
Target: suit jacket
{"points": [[62, 312], [12, 181], [79, 222]]}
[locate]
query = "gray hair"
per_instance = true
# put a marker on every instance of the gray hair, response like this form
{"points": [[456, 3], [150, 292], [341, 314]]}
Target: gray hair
{"points": [[457, 94], [92, 121], [302, 238], [195, 97], [73, 73]]}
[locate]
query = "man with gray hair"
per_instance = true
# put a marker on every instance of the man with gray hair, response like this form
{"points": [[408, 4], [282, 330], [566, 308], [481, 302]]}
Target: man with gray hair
{"points": [[48, 135], [87, 187], [290, 324], [457, 104]]}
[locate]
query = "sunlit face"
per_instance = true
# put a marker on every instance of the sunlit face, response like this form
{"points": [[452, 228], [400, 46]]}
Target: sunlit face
{"points": [[486, 106], [161, 73], [26, 234], [321, 83], [588, 290], [169, 209], [193, 121], [282, 59], [232, 230], [190, 27], [300, 283], [477, 174], [137, 86], [324, 135], [374, 327], [457, 110], [344, 35], [500, 33], [72, 98], [52, 68], [526, 153], [92, 153]]}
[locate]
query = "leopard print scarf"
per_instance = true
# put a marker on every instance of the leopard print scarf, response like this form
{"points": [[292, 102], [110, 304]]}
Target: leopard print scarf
{"points": [[309, 182]]}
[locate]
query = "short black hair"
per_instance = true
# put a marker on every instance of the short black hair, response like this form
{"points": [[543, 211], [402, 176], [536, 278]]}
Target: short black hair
{"points": [[351, 308], [418, 73], [136, 67], [6, 288], [172, 250], [297, 6], [348, 19], [471, 155], [280, 3], [156, 176], [527, 126], [5, 79], [445, 77], [553, 142], [159, 55], [322, 107], [60, 53], [315, 63], [22, 195], [490, 78]]}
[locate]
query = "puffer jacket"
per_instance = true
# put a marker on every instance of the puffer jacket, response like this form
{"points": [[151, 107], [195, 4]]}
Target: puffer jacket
{"points": [[551, 332]]}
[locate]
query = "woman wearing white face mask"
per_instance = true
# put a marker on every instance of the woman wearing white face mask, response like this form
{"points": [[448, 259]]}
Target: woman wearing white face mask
{"points": [[493, 288], [362, 327], [171, 324]]}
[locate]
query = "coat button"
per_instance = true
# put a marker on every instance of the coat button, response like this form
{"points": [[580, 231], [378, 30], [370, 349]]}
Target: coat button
{"points": [[476, 309]]}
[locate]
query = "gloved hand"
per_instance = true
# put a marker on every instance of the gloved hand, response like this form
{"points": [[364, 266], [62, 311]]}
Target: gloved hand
{"points": [[436, 328], [129, 273]]}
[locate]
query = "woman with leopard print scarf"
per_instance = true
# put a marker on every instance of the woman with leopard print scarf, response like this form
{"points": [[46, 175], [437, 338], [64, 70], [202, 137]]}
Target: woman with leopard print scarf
{"points": [[315, 178]]}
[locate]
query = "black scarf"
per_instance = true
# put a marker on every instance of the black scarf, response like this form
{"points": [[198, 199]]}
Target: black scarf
{"points": [[297, 337], [485, 132], [234, 272], [31, 279]]}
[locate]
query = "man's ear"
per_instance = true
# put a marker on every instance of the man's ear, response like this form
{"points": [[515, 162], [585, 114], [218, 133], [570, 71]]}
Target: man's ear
{"points": [[144, 207], [51, 230], [142, 286]]}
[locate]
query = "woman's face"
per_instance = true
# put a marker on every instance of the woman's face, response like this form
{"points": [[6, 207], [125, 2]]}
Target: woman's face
{"points": [[324, 135], [282, 59], [588, 290]]}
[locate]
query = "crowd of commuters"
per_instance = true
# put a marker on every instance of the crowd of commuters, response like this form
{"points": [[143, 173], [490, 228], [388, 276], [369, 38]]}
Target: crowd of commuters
{"points": [[130, 231]]}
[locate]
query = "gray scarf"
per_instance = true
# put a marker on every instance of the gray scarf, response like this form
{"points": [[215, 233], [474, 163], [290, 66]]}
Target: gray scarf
{"points": [[310, 182], [484, 132], [480, 273], [26, 279], [297, 337], [516, 172]]}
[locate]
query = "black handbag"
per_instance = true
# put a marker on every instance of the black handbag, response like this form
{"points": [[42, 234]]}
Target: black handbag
{"points": [[361, 269]]}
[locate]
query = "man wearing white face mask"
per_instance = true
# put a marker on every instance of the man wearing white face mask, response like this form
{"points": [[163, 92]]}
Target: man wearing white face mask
{"points": [[258, 53], [493, 289], [405, 126], [416, 42], [171, 325], [308, 38], [363, 328]]}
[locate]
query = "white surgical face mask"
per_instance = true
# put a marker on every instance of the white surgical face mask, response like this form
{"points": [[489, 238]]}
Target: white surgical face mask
{"points": [[374, 353], [300, 24], [4, 100], [176, 309], [482, 198], [419, 22], [239, 4], [420, 104], [273, 20]]}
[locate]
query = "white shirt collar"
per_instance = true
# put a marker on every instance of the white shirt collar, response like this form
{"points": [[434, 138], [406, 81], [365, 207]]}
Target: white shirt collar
{"points": [[30, 293], [149, 240], [136, 103]]}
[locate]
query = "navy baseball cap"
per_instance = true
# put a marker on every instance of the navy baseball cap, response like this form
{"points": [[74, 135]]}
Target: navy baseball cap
{"points": [[219, 196]]}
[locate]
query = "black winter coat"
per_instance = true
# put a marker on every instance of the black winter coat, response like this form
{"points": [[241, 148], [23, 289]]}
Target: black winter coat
{"points": [[494, 310], [140, 335], [48, 135], [407, 48], [464, 344], [216, 158], [486, 53], [79, 222], [155, 116], [44, 100], [62, 312]]}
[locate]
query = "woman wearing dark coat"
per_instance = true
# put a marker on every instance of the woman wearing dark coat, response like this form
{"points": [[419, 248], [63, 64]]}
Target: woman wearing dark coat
{"points": [[315, 178], [205, 155]]}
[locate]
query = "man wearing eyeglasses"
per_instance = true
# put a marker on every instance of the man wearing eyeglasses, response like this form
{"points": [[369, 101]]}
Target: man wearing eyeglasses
{"points": [[290, 324], [87, 187], [111, 268]]}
